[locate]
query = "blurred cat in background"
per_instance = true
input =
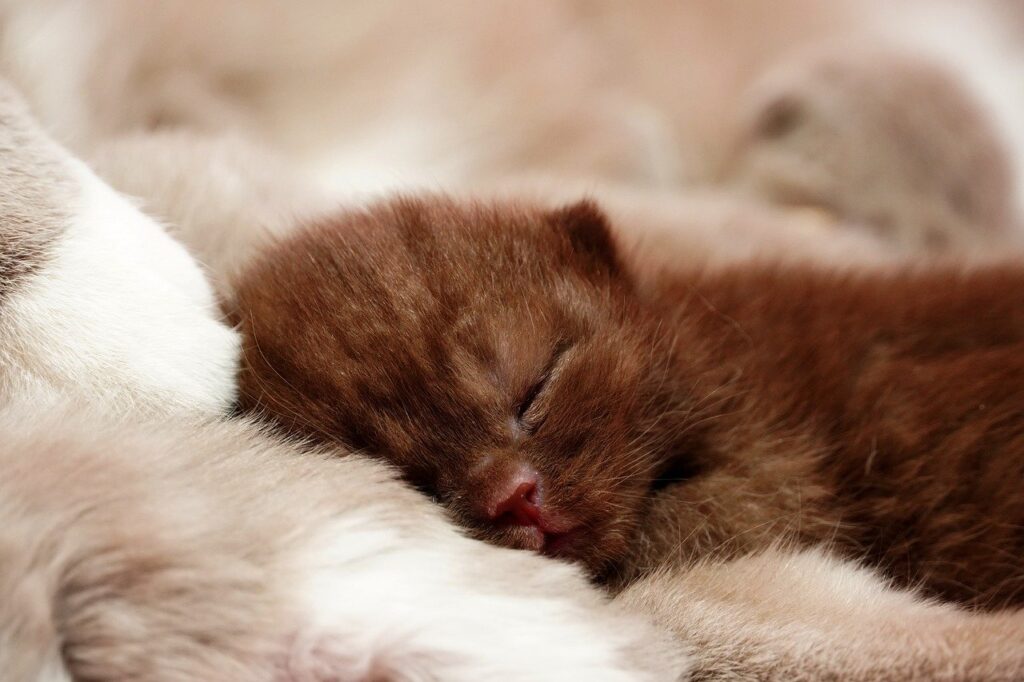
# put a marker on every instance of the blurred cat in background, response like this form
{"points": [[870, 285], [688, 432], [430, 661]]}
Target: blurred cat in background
{"points": [[656, 98]]}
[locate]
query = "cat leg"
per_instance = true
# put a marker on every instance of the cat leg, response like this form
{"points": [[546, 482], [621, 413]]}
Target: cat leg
{"points": [[94, 297], [174, 551], [805, 615]]}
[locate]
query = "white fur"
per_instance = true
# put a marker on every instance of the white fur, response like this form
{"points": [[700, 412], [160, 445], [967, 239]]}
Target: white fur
{"points": [[120, 312], [436, 610]]}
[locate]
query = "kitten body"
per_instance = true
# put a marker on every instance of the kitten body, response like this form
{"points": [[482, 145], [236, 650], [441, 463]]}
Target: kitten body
{"points": [[496, 351]]}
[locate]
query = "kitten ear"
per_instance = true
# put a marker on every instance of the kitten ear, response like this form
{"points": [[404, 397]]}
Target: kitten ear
{"points": [[589, 233]]}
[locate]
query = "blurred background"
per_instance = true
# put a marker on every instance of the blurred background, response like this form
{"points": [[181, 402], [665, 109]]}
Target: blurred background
{"points": [[898, 120]]}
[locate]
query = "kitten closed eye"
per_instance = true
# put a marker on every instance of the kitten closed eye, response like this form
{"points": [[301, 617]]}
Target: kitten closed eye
{"points": [[527, 418], [524, 409]]}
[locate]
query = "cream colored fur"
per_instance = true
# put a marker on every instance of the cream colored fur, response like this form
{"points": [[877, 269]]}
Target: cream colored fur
{"points": [[97, 300], [181, 550], [807, 616], [222, 196]]}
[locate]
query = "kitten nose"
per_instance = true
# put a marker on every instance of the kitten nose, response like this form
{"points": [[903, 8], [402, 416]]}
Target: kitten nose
{"points": [[515, 500]]}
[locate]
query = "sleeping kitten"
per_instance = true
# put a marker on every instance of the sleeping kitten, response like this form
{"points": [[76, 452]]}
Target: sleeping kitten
{"points": [[220, 194], [504, 359], [175, 550]]}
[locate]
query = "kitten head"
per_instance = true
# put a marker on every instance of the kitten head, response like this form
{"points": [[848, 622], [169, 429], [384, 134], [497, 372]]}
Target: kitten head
{"points": [[496, 354]]}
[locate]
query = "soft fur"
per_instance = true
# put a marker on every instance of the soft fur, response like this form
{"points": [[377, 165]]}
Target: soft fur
{"points": [[806, 616], [714, 414], [95, 299], [170, 550]]}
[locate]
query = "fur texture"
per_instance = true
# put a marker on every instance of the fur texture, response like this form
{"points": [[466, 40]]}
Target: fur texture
{"points": [[95, 299], [712, 414], [34, 193], [175, 550], [806, 616]]}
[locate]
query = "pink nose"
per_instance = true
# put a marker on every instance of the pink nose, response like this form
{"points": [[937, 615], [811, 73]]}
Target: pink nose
{"points": [[515, 501]]}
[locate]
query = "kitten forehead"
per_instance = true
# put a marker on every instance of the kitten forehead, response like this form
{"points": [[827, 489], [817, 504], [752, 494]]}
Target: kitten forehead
{"points": [[413, 266], [438, 232]]}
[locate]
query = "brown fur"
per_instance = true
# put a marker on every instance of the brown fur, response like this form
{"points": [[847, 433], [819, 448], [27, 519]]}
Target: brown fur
{"points": [[712, 416]]}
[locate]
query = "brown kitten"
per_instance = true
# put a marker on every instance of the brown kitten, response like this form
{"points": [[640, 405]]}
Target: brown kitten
{"points": [[501, 356]]}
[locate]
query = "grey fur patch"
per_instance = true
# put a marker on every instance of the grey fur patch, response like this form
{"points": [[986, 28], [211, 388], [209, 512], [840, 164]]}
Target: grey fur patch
{"points": [[35, 192]]}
